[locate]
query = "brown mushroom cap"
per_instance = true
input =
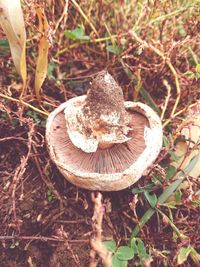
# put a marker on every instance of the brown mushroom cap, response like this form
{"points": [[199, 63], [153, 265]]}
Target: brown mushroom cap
{"points": [[115, 167]]}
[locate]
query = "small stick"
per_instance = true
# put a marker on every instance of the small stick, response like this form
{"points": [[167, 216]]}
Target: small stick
{"points": [[166, 84], [43, 238], [96, 242], [8, 138], [84, 16], [20, 171], [24, 103], [63, 16]]}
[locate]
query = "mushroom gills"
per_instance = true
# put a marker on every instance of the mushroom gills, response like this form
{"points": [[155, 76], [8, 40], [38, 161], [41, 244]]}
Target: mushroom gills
{"points": [[114, 159]]}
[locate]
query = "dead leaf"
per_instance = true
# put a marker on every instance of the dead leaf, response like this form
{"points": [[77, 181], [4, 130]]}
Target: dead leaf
{"points": [[191, 132], [188, 160], [43, 48], [12, 22]]}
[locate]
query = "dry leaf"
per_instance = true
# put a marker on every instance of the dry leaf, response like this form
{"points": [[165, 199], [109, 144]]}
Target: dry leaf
{"points": [[43, 48], [191, 132], [12, 22]]}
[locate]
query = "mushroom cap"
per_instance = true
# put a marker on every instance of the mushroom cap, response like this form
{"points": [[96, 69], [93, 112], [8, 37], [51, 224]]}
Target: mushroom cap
{"points": [[115, 167]]}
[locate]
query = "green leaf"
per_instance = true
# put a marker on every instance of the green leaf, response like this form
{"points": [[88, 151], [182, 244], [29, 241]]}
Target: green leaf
{"points": [[125, 253], [191, 164], [197, 68], [137, 191], [118, 263], [182, 32], [4, 47], [148, 187], [152, 198], [133, 244], [178, 195], [4, 44], [183, 254], [157, 180], [170, 205], [174, 156], [195, 255], [78, 34], [149, 213], [165, 141], [139, 248], [113, 49], [192, 75], [171, 170], [50, 70], [165, 195], [110, 245], [49, 195], [149, 100]]}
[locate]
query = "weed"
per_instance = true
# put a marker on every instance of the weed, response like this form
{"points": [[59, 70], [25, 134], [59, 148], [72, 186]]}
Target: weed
{"points": [[122, 254], [36, 117]]}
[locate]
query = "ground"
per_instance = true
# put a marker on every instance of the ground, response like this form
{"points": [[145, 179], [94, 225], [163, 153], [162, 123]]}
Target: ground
{"points": [[45, 220]]}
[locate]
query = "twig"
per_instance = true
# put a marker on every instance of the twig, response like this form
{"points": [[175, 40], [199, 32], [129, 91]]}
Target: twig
{"points": [[166, 84], [23, 103], [46, 179], [63, 16], [169, 64], [96, 241], [12, 138], [21, 169], [84, 16], [177, 114], [43, 238], [62, 234]]}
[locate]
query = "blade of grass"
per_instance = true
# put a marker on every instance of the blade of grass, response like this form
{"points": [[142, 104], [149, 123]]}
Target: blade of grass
{"points": [[149, 213], [165, 195], [173, 226], [85, 17], [174, 13], [149, 100]]}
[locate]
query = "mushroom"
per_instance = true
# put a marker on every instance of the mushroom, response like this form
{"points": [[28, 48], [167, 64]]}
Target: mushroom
{"points": [[100, 142]]}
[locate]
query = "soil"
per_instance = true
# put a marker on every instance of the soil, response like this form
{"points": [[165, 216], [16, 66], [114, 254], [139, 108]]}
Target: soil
{"points": [[46, 221], [44, 205]]}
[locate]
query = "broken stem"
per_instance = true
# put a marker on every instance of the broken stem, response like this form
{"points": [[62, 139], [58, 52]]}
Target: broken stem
{"points": [[96, 242]]}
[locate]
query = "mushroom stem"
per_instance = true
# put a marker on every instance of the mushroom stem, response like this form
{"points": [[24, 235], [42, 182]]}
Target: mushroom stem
{"points": [[101, 120], [105, 145]]}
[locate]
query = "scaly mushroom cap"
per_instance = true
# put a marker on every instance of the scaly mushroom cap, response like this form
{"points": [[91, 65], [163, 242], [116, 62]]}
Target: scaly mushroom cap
{"points": [[98, 144]]}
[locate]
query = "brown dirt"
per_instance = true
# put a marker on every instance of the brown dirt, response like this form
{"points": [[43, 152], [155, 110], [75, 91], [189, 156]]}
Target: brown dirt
{"points": [[51, 219]]}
